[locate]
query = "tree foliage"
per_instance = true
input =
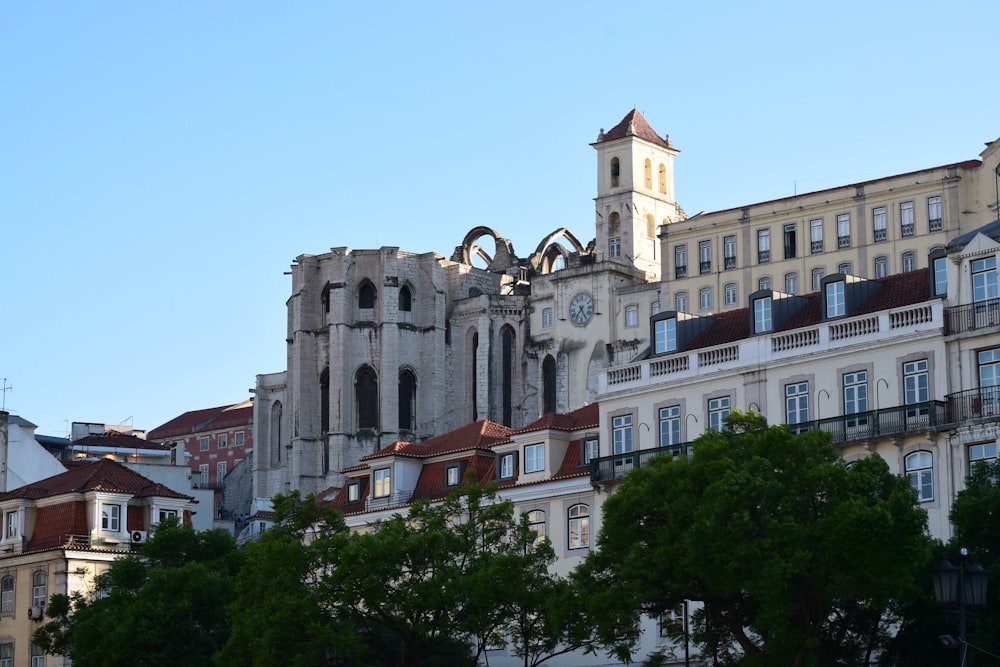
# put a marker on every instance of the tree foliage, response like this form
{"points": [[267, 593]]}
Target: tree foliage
{"points": [[794, 557], [166, 605]]}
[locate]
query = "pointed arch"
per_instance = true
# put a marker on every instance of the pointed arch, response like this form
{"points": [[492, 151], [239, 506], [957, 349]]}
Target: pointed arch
{"points": [[366, 294], [366, 397], [405, 298], [548, 384], [474, 375], [407, 400], [507, 348], [275, 433], [324, 402]]}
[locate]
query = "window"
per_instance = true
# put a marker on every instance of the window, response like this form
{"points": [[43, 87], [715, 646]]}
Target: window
{"points": [[881, 266], [705, 298], [762, 314], [879, 224], [591, 449], [730, 291], [670, 426], [203, 444], [986, 451], [940, 276], [406, 394], [729, 252], [704, 257], [10, 525], [547, 317], [817, 278], [621, 433], [856, 397], [984, 279], [632, 316], [383, 483], [536, 525], [663, 178], [366, 397], [37, 656], [672, 623], [654, 307], [223, 441], [763, 246], [507, 466], [239, 438], [405, 299], [665, 336], [909, 261], [816, 235], [579, 526], [906, 224], [682, 302], [534, 458], [797, 403], [203, 475], [39, 589], [615, 246], [353, 492], [452, 475], [920, 470], [844, 230], [7, 655], [647, 172], [680, 261], [934, 213], [915, 383], [615, 171], [111, 517], [764, 282], [366, 296], [789, 237], [220, 473], [835, 306], [792, 283], [718, 410], [7, 595], [989, 381], [163, 515]]}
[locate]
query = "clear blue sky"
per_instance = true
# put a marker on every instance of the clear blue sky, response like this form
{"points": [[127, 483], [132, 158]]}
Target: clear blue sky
{"points": [[162, 164]]}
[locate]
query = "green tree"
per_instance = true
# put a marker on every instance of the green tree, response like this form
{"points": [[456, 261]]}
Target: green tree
{"points": [[163, 606], [795, 557]]}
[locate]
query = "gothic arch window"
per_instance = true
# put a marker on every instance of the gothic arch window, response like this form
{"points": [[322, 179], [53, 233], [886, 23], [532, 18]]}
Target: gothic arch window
{"points": [[325, 298], [324, 402], [663, 179], [276, 433], [366, 397], [407, 400], [366, 295], [473, 379], [549, 384], [405, 299], [647, 172], [507, 378]]}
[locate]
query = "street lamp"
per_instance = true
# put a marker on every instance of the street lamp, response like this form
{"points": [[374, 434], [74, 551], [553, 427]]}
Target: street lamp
{"points": [[964, 585]]}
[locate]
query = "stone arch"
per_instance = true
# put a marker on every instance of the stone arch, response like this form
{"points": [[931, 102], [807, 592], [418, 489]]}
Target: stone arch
{"points": [[551, 249], [471, 250]]}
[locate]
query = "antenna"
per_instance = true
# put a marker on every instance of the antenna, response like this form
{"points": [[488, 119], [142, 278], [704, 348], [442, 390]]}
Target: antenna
{"points": [[5, 388]]}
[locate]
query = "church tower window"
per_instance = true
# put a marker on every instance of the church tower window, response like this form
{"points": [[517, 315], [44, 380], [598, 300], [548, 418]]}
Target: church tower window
{"points": [[615, 171], [366, 394], [407, 400], [405, 299], [648, 174], [549, 384], [366, 295]]}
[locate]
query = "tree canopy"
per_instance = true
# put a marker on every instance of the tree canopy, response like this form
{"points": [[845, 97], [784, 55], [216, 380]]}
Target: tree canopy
{"points": [[794, 556]]}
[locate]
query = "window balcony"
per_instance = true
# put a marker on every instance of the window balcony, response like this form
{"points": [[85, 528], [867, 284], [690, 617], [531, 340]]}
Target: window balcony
{"points": [[730, 262], [705, 267], [972, 316], [973, 404], [763, 256], [614, 468], [681, 271], [907, 230], [935, 224], [880, 235], [876, 424], [843, 241], [815, 247], [398, 498]]}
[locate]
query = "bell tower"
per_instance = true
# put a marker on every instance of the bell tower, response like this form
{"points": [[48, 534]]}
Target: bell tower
{"points": [[635, 192]]}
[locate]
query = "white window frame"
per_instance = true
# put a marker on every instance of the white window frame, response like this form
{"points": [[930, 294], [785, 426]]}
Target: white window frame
{"points": [[762, 320], [203, 444], [881, 266], [621, 434], [111, 517], [670, 425], [907, 221], [615, 246], [632, 315], [796, 403], [681, 300], [835, 299], [719, 408], [816, 236], [680, 260], [8, 597], [382, 483], [920, 469], [578, 526], [763, 246], [844, 230], [221, 468], [934, 217], [705, 298], [507, 465], [764, 282], [239, 439], [909, 261], [704, 257], [792, 283], [880, 224], [39, 588], [223, 440], [452, 475], [665, 335], [11, 525], [591, 449], [534, 458], [353, 492], [547, 317], [729, 252], [203, 475], [817, 278], [732, 294]]}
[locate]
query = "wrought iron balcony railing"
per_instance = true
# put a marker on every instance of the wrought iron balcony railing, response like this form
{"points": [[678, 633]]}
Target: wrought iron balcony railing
{"points": [[973, 404], [972, 316], [614, 468]]}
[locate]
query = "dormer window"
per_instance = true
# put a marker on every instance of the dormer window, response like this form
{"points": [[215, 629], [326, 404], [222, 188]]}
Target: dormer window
{"points": [[762, 315], [382, 483], [353, 492], [835, 302], [111, 517], [534, 458], [452, 475], [984, 279], [507, 465], [665, 336], [11, 525]]}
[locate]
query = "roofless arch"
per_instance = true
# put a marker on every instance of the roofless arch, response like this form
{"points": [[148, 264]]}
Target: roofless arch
{"points": [[473, 252], [551, 249]]}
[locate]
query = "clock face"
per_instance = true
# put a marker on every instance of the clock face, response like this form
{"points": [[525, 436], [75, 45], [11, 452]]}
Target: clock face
{"points": [[581, 308]]}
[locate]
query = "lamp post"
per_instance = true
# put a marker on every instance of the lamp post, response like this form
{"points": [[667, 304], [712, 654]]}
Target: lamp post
{"points": [[963, 585]]}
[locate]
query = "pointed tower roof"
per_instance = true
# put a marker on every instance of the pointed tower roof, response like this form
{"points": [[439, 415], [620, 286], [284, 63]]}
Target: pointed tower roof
{"points": [[634, 124]]}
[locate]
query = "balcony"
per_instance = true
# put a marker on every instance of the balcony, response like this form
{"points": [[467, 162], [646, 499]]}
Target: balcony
{"points": [[884, 423], [843, 241], [730, 262], [973, 404], [907, 229], [680, 271], [935, 224], [763, 256], [614, 468], [815, 247], [705, 267], [880, 234], [970, 317]]}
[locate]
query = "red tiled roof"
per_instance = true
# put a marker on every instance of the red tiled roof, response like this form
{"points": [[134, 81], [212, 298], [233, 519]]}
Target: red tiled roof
{"points": [[100, 475], [586, 417], [431, 483], [208, 419], [572, 463], [478, 435], [119, 441], [640, 128]]}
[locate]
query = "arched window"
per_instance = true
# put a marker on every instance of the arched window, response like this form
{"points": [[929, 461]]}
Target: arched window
{"points": [[366, 396], [764, 282], [705, 298], [549, 384], [650, 226], [844, 267], [615, 171], [681, 302], [579, 526], [792, 283], [648, 174], [909, 261], [366, 295], [405, 299], [325, 298], [663, 179], [7, 595], [881, 266], [507, 378], [614, 224], [817, 278], [731, 294], [407, 400], [536, 525], [920, 470], [324, 402], [276, 433]]}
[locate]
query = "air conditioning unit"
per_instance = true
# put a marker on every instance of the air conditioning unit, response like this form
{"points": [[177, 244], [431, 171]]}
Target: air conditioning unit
{"points": [[35, 613], [139, 537]]}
